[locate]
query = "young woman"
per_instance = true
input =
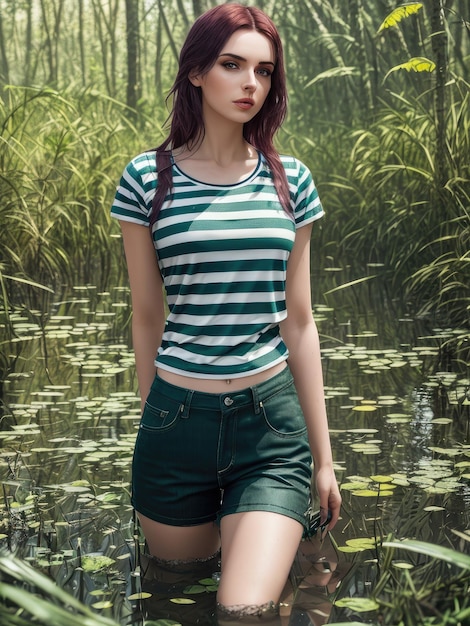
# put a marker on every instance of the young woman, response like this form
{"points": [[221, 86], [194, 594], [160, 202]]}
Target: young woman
{"points": [[235, 408]]}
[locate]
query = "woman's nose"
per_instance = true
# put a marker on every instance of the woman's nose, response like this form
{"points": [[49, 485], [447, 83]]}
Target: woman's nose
{"points": [[250, 81]]}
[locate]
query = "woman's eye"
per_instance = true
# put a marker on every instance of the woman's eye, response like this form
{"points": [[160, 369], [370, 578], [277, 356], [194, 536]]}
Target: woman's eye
{"points": [[264, 72], [230, 65]]}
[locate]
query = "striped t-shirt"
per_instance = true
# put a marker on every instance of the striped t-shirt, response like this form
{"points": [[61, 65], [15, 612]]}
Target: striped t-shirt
{"points": [[222, 252]]}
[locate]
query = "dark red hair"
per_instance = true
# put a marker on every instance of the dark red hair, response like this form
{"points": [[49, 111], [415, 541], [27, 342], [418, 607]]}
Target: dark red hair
{"points": [[199, 53]]}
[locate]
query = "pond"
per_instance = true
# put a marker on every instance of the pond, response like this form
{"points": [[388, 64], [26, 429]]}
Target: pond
{"points": [[398, 402]]}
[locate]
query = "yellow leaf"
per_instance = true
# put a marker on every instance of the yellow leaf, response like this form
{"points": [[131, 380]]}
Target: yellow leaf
{"points": [[382, 479], [142, 595], [182, 601], [105, 604], [362, 542], [366, 493], [360, 605], [364, 408], [398, 14], [415, 64]]}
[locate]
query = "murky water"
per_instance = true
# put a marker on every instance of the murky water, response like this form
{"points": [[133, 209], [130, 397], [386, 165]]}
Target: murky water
{"points": [[399, 416]]}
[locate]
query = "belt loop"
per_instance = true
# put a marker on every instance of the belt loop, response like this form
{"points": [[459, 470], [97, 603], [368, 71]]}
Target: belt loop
{"points": [[256, 401], [187, 404]]}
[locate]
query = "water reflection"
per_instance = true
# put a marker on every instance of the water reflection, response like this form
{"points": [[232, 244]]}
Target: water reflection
{"points": [[186, 593], [399, 412]]}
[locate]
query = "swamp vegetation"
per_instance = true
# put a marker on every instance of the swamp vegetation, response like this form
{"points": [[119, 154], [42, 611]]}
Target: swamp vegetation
{"points": [[379, 110]]}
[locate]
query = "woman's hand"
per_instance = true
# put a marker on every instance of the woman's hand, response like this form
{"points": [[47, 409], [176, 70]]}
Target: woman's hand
{"points": [[328, 493]]}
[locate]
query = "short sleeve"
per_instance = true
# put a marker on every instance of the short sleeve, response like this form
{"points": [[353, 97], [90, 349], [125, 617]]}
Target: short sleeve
{"points": [[134, 194], [304, 194]]}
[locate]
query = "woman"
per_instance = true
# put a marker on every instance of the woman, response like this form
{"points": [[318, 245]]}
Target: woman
{"points": [[235, 408]]}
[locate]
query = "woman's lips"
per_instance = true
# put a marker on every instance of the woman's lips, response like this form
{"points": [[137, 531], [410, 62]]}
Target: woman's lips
{"points": [[245, 103]]}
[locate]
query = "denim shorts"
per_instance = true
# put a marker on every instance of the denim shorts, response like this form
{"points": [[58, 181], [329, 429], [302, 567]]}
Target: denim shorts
{"points": [[199, 456]]}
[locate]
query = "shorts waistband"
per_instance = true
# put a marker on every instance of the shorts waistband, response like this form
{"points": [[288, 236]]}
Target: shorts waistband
{"points": [[254, 396]]}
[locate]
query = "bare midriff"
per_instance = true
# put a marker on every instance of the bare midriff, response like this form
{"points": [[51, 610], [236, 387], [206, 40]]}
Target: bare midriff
{"points": [[220, 386]]}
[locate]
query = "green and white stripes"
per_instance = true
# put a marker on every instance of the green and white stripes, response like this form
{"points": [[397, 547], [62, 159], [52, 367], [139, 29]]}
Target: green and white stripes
{"points": [[222, 251]]}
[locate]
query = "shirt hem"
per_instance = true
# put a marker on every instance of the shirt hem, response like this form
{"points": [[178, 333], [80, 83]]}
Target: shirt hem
{"points": [[206, 376]]}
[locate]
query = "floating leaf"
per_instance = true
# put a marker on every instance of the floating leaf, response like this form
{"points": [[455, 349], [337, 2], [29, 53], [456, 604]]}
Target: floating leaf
{"points": [[382, 479], [96, 563], [182, 601], [365, 408], [361, 605], [104, 604], [349, 549], [400, 13], [143, 595], [98, 592], [353, 486], [194, 589], [208, 582], [446, 451], [365, 543], [402, 565]]}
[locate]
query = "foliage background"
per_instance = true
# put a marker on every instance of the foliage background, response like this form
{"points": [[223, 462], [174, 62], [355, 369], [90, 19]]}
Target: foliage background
{"points": [[82, 89]]}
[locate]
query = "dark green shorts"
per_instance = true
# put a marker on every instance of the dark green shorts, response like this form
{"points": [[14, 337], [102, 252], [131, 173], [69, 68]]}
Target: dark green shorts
{"points": [[200, 456]]}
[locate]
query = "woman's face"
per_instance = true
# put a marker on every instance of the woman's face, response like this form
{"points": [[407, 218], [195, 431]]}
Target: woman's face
{"points": [[235, 88]]}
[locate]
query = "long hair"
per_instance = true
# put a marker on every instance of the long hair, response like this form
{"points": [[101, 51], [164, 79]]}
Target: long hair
{"points": [[199, 53]]}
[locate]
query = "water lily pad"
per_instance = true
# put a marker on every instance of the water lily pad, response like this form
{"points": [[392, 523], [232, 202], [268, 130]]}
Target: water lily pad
{"points": [[182, 601], [142, 595], [382, 479], [366, 448], [402, 565], [353, 486], [360, 605], [362, 542], [96, 563], [104, 604], [365, 408], [194, 589]]}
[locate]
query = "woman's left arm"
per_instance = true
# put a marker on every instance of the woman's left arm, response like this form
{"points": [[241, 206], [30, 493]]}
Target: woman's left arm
{"points": [[300, 335]]}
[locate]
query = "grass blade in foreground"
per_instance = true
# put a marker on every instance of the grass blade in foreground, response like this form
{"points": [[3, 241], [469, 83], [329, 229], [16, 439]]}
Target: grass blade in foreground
{"points": [[431, 550], [44, 609]]}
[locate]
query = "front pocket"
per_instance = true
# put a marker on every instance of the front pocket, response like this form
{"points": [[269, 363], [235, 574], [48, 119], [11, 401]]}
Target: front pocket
{"points": [[283, 414], [160, 413]]}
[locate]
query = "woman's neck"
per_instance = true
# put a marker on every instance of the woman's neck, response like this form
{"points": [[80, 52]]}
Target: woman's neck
{"points": [[217, 163]]}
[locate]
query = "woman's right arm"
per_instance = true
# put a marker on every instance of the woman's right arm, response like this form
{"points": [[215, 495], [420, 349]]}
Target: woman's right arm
{"points": [[148, 310]]}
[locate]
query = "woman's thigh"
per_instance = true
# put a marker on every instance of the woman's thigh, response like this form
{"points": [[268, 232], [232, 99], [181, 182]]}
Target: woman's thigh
{"points": [[180, 543], [258, 549]]}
